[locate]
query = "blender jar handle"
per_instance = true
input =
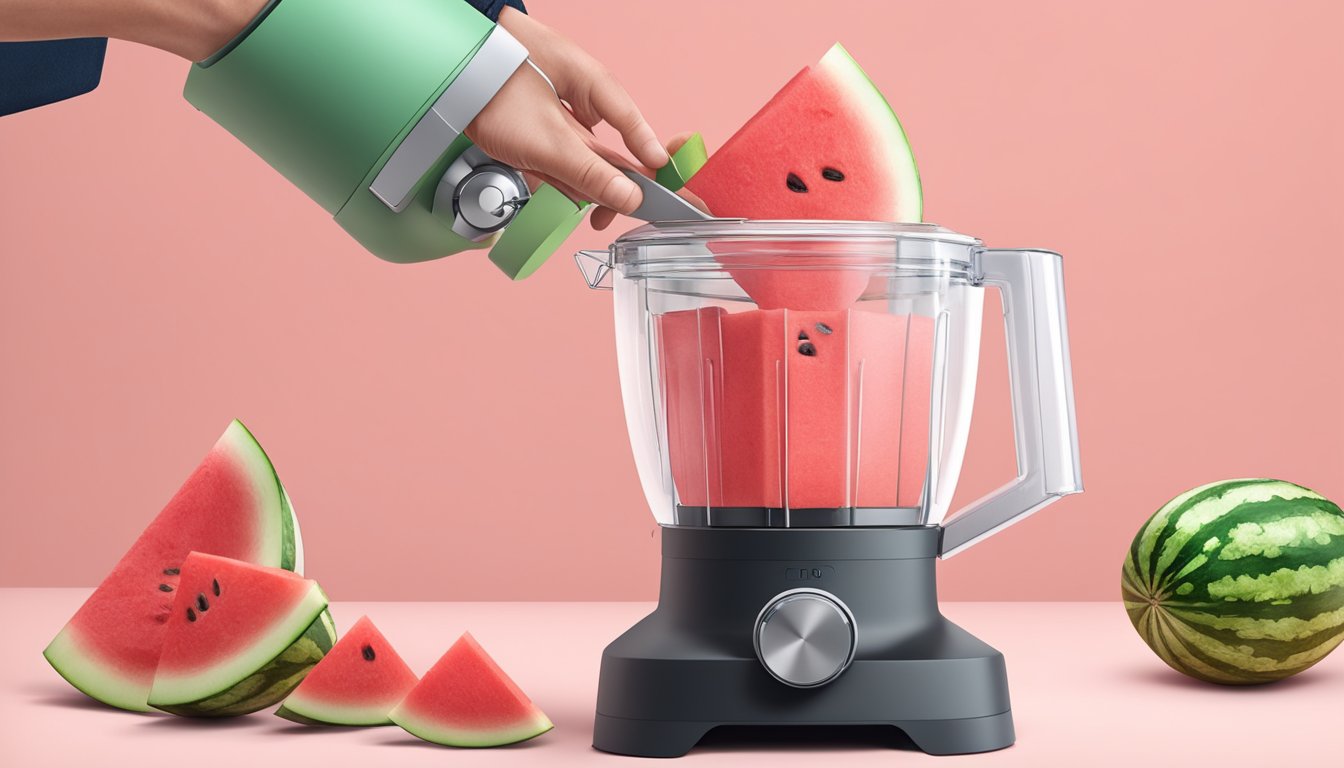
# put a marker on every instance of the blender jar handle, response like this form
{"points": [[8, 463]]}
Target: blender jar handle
{"points": [[596, 268], [1031, 284]]}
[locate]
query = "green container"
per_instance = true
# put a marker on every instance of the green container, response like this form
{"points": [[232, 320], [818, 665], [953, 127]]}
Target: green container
{"points": [[325, 90]]}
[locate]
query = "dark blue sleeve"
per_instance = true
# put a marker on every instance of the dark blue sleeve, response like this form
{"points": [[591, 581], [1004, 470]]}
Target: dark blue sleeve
{"points": [[492, 8], [37, 73]]}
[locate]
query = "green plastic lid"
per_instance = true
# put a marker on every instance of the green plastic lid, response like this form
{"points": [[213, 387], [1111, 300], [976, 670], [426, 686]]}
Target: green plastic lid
{"points": [[688, 159], [536, 232]]}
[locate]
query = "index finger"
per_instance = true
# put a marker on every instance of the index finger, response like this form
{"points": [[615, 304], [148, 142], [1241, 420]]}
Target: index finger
{"points": [[614, 105]]}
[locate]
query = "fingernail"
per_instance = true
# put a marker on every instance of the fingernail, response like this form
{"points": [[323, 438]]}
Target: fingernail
{"points": [[621, 193], [656, 151]]}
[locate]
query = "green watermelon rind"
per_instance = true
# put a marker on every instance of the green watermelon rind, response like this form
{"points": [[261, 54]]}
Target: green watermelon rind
{"points": [[1221, 598], [313, 713], [842, 65], [291, 540], [530, 728], [259, 676], [99, 681], [272, 682]]}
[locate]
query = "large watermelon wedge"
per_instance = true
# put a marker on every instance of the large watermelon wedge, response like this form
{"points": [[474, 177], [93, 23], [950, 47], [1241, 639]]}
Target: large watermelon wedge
{"points": [[827, 146], [357, 683], [239, 638], [232, 505], [1240, 581], [466, 700]]}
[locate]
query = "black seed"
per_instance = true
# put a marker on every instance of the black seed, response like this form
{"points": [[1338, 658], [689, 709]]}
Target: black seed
{"points": [[802, 335], [191, 615], [831, 174], [368, 653], [807, 349], [201, 603], [795, 184], [171, 571], [165, 588], [215, 584], [824, 328]]}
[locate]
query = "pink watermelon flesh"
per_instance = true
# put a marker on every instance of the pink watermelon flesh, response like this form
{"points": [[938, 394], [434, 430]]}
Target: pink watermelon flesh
{"points": [[732, 445], [231, 505], [358, 682], [466, 700], [196, 640], [229, 620], [827, 146]]}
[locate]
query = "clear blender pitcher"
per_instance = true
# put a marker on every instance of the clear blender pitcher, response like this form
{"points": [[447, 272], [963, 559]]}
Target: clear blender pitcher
{"points": [[798, 397], [820, 374]]}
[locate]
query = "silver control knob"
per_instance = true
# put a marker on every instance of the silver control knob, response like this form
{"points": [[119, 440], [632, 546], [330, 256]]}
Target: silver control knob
{"points": [[488, 198], [805, 637]]}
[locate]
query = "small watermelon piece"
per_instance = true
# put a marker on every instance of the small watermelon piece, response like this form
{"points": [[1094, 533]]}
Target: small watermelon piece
{"points": [[232, 505], [466, 700], [357, 683], [828, 146], [239, 638], [1240, 581], [856, 389]]}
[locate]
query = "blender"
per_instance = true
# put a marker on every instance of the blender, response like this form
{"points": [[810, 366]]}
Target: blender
{"points": [[798, 396]]}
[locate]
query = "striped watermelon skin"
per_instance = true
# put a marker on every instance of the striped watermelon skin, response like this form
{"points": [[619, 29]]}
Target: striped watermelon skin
{"points": [[1239, 582]]}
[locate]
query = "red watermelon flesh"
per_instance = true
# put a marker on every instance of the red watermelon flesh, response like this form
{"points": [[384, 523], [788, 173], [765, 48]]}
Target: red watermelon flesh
{"points": [[466, 700], [357, 683], [853, 428], [231, 505], [828, 147], [230, 620]]}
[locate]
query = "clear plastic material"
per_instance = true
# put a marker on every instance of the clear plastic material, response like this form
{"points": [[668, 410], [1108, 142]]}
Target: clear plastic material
{"points": [[820, 374]]}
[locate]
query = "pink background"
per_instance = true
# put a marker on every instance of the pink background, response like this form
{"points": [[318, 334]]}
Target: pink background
{"points": [[448, 435]]}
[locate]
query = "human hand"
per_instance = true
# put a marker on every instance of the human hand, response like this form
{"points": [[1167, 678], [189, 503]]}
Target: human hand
{"points": [[527, 127]]}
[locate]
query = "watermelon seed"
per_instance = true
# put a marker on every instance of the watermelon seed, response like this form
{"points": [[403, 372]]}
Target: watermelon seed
{"points": [[802, 335], [171, 571], [831, 174], [191, 615], [165, 588], [215, 584], [368, 653], [794, 183], [806, 349], [201, 603], [824, 328]]}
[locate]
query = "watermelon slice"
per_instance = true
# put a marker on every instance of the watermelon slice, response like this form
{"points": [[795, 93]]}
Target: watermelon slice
{"points": [[466, 700], [231, 505], [827, 146], [775, 408], [239, 638], [357, 683]]}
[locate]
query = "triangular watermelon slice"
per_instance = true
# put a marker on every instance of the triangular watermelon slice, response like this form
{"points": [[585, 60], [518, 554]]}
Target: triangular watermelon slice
{"points": [[232, 505], [239, 638], [357, 683], [466, 700], [827, 146]]}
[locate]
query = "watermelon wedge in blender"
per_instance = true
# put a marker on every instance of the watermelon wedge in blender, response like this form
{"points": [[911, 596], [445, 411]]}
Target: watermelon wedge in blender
{"points": [[827, 147], [805, 402]]}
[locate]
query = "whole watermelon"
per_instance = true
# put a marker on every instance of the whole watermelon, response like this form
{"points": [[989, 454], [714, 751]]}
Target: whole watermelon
{"points": [[1239, 582]]}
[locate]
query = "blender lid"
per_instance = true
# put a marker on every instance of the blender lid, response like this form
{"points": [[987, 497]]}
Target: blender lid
{"points": [[675, 246], [797, 229]]}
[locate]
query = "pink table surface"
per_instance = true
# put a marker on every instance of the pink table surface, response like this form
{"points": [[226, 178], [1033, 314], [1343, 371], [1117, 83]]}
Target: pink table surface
{"points": [[1085, 691]]}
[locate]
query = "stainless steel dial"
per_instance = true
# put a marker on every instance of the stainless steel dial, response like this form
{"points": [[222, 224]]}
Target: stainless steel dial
{"points": [[805, 637]]}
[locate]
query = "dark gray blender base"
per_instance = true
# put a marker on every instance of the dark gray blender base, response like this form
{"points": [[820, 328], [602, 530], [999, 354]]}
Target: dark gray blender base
{"points": [[691, 666]]}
